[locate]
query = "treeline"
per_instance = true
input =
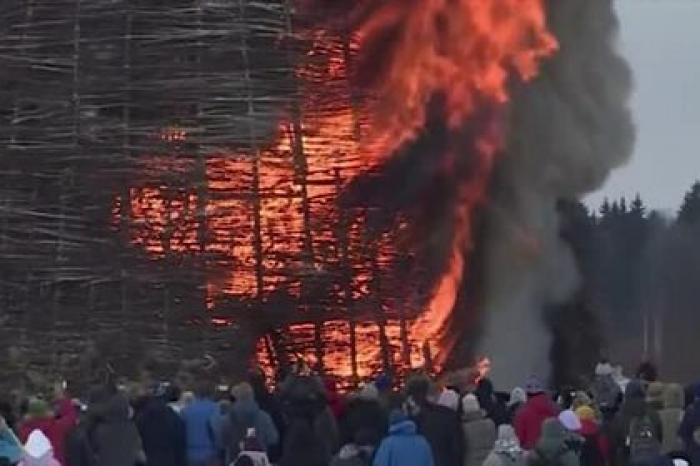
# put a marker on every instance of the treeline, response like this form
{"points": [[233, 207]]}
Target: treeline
{"points": [[640, 281]]}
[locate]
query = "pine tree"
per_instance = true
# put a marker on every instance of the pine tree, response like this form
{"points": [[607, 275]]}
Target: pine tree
{"points": [[637, 208], [690, 210]]}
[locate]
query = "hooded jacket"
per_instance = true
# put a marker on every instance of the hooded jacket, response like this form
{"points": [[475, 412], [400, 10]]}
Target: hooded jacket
{"points": [[199, 428], [247, 414], [530, 418], [442, 429], [404, 447], [363, 416], [10, 447], [162, 433], [634, 406], [116, 439], [554, 445], [38, 451], [671, 416], [479, 437], [689, 426], [506, 450], [55, 428]]}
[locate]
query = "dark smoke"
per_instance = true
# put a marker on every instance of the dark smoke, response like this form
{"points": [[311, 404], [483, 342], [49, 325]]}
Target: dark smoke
{"points": [[568, 130]]}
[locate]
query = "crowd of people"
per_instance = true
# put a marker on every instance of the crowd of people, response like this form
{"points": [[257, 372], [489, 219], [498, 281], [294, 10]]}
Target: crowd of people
{"points": [[306, 421]]}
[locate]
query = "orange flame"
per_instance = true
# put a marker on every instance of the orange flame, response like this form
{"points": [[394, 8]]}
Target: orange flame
{"points": [[465, 50]]}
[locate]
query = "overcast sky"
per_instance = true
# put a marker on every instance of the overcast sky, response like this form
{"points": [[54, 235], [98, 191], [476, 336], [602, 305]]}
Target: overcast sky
{"points": [[661, 40]]}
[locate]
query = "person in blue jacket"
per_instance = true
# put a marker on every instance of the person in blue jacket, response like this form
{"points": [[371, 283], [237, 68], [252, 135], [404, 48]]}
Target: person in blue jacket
{"points": [[200, 429], [404, 446]]}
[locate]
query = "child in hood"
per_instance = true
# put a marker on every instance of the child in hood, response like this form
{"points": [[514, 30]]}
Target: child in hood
{"points": [[38, 451]]}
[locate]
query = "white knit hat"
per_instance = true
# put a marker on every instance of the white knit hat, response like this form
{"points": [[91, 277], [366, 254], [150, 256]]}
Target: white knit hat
{"points": [[449, 399], [470, 404]]}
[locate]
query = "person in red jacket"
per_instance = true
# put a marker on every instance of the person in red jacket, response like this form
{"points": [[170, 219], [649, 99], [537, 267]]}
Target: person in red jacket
{"points": [[531, 416], [55, 426]]}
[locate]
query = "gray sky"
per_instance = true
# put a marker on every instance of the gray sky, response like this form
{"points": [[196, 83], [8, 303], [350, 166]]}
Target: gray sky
{"points": [[661, 40]]}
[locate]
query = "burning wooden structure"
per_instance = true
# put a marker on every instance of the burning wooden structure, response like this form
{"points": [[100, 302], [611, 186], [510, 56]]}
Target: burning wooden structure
{"points": [[169, 182]]}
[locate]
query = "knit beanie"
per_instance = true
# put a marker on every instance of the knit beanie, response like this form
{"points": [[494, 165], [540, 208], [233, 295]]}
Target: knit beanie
{"points": [[585, 413], [470, 404]]}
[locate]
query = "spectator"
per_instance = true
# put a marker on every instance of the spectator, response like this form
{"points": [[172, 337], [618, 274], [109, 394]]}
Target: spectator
{"points": [[364, 414], [38, 451], [655, 395], [595, 448], [244, 415], [439, 425], [272, 406], [530, 418], [488, 402], [518, 398], [605, 389], [636, 431], [199, 418], [116, 438], [162, 430], [506, 450], [690, 429], [553, 448], [479, 432], [10, 447], [671, 417], [55, 426], [302, 446], [404, 446], [449, 399]]}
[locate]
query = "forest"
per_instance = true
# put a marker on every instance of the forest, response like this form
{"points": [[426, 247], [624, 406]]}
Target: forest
{"points": [[639, 282]]}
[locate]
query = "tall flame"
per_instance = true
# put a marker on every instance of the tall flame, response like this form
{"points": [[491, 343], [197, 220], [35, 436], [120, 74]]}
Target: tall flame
{"points": [[466, 51]]}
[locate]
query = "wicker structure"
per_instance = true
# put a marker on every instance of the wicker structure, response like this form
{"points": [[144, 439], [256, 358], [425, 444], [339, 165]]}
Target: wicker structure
{"points": [[169, 177]]}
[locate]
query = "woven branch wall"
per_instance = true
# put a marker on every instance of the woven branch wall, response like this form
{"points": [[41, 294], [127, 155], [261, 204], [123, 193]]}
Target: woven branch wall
{"points": [[169, 181]]}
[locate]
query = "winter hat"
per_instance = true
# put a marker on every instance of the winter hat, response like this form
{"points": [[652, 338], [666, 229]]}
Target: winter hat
{"points": [[470, 404], [368, 393], [533, 386], [603, 369], [38, 408], [397, 416], [449, 399], [585, 413], [570, 420], [518, 395], [243, 392], [38, 445]]}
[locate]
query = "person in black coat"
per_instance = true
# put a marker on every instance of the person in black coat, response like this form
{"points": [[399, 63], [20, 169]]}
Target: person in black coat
{"points": [[162, 433], [490, 403], [440, 425], [364, 415]]}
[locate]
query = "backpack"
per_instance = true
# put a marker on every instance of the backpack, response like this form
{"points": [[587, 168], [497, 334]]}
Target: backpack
{"points": [[643, 443], [539, 459]]}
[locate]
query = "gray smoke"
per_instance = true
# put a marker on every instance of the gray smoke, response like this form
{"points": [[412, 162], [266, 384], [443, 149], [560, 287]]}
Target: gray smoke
{"points": [[568, 130]]}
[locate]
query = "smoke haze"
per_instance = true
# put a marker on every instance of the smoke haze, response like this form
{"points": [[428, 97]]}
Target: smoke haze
{"points": [[568, 129]]}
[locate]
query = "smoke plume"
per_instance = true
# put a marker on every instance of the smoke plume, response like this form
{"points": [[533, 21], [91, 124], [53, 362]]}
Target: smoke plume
{"points": [[567, 130]]}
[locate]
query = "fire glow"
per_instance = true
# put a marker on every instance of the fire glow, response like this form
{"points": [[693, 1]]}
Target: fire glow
{"points": [[466, 51]]}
